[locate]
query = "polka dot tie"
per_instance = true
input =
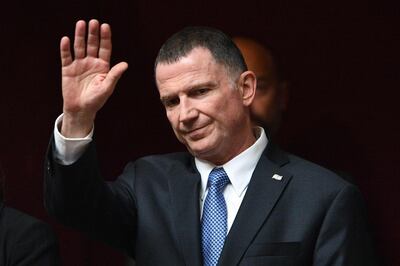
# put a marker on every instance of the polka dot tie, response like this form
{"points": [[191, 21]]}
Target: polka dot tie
{"points": [[214, 220]]}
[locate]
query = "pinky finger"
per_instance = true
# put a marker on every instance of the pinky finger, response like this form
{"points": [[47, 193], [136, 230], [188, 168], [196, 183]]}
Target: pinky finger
{"points": [[65, 51]]}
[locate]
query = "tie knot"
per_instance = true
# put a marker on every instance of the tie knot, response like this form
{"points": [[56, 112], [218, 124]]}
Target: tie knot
{"points": [[218, 178]]}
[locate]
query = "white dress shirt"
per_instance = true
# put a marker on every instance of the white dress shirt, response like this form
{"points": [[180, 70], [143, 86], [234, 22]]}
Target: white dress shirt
{"points": [[239, 169], [68, 150]]}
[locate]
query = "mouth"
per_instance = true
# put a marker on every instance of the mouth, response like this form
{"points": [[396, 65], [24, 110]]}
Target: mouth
{"points": [[197, 133]]}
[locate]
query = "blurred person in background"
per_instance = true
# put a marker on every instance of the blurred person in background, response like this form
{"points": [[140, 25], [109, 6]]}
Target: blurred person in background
{"points": [[272, 93]]}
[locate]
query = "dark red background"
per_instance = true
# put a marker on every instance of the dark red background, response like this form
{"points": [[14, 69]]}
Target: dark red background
{"points": [[342, 61]]}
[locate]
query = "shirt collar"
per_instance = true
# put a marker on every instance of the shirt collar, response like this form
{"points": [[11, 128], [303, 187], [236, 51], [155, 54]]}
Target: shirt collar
{"points": [[240, 168]]}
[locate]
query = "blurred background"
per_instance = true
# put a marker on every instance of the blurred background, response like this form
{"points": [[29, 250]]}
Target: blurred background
{"points": [[342, 62]]}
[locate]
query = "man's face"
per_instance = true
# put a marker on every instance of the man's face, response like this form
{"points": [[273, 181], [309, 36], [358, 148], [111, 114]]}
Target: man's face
{"points": [[270, 100], [206, 111]]}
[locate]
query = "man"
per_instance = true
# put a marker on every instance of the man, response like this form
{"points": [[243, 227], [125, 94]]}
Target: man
{"points": [[234, 199], [271, 97], [24, 240], [272, 93]]}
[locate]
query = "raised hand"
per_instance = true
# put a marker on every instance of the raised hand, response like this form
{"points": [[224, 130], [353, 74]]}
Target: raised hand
{"points": [[87, 80]]}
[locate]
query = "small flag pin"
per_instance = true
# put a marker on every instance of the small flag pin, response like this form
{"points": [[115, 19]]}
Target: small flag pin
{"points": [[277, 177]]}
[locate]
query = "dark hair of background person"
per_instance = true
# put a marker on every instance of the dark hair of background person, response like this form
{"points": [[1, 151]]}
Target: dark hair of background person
{"points": [[280, 71], [222, 48], [272, 95]]}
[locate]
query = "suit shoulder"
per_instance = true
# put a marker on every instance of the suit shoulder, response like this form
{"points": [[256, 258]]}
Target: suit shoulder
{"points": [[314, 184], [315, 174], [17, 218], [26, 238], [20, 225], [164, 162], [20, 229], [158, 167]]}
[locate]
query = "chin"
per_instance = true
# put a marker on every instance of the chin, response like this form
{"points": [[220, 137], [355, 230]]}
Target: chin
{"points": [[206, 152], [199, 153]]}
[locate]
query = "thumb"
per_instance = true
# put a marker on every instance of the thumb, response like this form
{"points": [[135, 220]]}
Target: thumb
{"points": [[115, 74]]}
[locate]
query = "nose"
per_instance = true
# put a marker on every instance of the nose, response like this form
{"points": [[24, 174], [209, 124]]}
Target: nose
{"points": [[188, 112]]}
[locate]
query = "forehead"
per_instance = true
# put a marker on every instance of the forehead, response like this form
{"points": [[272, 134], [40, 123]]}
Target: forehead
{"points": [[198, 66]]}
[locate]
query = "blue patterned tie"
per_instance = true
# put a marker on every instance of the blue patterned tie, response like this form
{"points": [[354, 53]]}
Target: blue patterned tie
{"points": [[214, 220]]}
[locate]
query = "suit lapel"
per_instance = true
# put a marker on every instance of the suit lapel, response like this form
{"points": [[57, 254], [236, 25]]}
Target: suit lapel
{"points": [[262, 194], [185, 187]]}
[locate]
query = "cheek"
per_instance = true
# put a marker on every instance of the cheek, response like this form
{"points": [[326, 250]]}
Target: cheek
{"points": [[255, 107], [231, 115], [172, 118], [263, 101]]}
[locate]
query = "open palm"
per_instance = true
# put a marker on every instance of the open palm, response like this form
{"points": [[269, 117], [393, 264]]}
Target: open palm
{"points": [[87, 80]]}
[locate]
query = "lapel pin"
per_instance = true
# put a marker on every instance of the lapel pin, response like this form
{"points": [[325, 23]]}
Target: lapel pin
{"points": [[277, 177]]}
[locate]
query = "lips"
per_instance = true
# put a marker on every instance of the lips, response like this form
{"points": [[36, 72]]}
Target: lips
{"points": [[197, 133]]}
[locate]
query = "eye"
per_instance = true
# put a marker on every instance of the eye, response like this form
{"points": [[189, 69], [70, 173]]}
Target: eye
{"points": [[200, 91], [171, 102]]}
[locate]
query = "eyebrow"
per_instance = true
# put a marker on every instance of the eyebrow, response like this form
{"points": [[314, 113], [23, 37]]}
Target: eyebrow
{"points": [[208, 84]]}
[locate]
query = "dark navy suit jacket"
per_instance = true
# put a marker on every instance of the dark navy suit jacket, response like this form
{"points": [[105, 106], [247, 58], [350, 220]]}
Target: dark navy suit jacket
{"points": [[26, 241], [309, 217]]}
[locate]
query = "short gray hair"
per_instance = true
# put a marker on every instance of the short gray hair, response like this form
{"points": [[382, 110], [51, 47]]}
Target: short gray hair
{"points": [[221, 47]]}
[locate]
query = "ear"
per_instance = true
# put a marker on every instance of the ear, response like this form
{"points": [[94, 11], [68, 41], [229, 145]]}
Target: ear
{"points": [[247, 86]]}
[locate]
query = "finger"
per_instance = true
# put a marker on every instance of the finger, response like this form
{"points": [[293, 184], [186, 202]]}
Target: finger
{"points": [[79, 42], [65, 51], [105, 42], [114, 75], [93, 38]]}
